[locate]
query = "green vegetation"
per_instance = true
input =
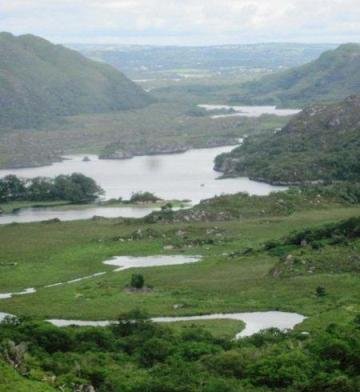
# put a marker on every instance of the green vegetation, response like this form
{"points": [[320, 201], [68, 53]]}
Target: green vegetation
{"points": [[232, 276], [334, 76], [154, 129], [294, 251], [11, 380], [137, 281], [40, 81], [75, 188], [138, 355], [331, 249], [144, 197], [243, 206], [321, 143]]}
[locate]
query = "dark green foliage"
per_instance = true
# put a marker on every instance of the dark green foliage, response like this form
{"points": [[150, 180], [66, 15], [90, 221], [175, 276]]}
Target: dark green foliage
{"points": [[137, 355], [320, 291], [137, 281], [243, 205], [349, 228], [40, 81], [75, 188], [143, 197], [320, 143], [335, 75], [12, 188], [332, 248]]}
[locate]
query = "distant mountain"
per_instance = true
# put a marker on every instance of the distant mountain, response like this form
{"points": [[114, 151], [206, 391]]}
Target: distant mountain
{"points": [[132, 58], [333, 76], [320, 143], [41, 81]]}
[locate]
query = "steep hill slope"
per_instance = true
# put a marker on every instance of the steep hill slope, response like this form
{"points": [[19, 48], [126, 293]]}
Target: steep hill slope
{"points": [[320, 143], [40, 81], [333, 76]]}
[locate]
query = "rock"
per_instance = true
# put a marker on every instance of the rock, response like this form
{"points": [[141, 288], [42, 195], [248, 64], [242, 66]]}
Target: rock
{"points": [[289, 260], [168, 247], [86, 159], [303, 243]]}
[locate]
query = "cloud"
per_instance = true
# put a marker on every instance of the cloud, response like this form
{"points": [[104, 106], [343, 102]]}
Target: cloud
{"points": [[184, 21]]}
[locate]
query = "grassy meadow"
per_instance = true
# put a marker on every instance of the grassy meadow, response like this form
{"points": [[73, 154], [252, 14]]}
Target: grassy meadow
{"points": [[225, 280]]}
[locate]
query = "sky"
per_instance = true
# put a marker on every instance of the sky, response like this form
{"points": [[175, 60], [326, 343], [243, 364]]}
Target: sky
{"points": [[184, 22]]}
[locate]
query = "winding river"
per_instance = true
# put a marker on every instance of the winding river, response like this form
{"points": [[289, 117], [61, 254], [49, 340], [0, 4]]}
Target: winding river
{"points": [[254, 321]]}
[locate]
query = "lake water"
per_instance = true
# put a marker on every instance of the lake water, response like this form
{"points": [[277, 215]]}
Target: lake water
{"points": [[42, 214], [126, 262], [254, 321], [185, 176], [24, 292], [250, 111]]}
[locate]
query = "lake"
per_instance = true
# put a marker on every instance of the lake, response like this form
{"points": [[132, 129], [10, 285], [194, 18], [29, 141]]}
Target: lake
{"points": [[249, 111], [183, 176]]}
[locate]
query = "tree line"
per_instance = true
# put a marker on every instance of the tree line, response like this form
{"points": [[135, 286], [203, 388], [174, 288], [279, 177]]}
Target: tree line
{"points": [[75, 188]]}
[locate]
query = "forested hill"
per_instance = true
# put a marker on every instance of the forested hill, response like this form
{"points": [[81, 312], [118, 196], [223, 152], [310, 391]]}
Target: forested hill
{"points": [[320, 143], [40, 81], [333, 76]]}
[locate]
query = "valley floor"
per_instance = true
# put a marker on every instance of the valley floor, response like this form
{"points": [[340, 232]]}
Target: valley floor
{"points": [[226, 280]]}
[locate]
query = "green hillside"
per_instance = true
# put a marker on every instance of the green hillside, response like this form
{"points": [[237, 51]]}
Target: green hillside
{"points": [[11, 380], [321, 143], [40, 81], [333, 76]]}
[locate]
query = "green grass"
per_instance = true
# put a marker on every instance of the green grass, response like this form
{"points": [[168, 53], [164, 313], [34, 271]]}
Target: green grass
{"points": [[11, 380], [49, 253], [225, 329]]}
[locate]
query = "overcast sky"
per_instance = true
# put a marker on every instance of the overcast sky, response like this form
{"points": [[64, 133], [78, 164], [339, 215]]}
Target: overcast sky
{"points": [[184, 22]]}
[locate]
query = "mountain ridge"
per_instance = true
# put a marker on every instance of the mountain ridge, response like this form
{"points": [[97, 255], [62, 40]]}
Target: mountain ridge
{"points": [[333, 76], [40, 81]]}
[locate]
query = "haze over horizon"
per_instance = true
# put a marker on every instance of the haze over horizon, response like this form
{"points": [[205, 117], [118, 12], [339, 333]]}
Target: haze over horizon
{"points": [[186, 22]]}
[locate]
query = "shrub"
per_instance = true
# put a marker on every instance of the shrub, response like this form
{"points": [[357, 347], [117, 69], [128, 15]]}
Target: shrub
{"points": [[137, 281], [144, 197]]}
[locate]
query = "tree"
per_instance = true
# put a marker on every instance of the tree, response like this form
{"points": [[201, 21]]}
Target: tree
{"points": [[76, 188], [40, 189], [12, 188]]}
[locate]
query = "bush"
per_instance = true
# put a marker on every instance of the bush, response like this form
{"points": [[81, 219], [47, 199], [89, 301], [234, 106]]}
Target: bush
{"points": [[144, 197], [137, 281], [320, 291]]}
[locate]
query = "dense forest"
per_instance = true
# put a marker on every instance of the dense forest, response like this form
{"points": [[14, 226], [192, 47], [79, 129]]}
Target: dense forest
{"points": [[140, 356]]}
